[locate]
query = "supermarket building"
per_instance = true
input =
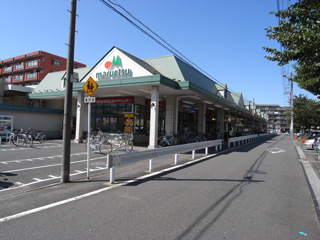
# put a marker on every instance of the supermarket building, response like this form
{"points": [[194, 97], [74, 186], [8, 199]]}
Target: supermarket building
{"points": [[148, 97]]}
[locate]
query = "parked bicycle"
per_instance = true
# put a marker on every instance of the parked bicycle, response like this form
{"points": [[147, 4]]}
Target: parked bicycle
{"points": [[167, 141], [37, 135], [20, 138], [123, 140], [98, 142]]}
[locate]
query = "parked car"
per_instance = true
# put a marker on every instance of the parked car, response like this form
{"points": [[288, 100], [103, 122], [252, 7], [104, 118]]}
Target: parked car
{"points": [[287, 133], [317, 145], [310, 142]]}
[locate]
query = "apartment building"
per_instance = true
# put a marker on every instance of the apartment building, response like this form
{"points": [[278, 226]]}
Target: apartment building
{"points": [[277, 117], [29, 69]]}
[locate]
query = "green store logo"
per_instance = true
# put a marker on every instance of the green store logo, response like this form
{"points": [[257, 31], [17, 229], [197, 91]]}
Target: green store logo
{"points": [[116, 63]]}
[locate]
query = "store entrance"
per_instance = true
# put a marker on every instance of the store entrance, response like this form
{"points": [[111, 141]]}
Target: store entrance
{"points": [[110, 117]]}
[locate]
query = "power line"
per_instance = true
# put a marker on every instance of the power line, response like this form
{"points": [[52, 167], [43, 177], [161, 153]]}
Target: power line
{"points": [[170, 48]]}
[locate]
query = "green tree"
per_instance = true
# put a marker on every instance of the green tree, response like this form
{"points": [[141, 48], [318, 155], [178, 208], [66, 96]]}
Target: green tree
{"points": [[306, 113], [298, 33]]}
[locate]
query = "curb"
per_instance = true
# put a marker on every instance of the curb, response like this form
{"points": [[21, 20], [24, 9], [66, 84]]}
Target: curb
{"points": [[312, 179]]}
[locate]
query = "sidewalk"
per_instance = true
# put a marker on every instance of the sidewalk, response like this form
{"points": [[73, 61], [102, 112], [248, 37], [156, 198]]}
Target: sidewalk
{"points": [[308, 155], [311, 167]]}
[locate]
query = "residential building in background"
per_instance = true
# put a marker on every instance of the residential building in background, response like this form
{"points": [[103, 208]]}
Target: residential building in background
{"points": [[277, 117], [29, 69]]}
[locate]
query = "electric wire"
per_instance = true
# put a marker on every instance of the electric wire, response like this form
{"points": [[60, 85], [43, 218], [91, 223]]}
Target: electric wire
{"points": [[171, 49]]}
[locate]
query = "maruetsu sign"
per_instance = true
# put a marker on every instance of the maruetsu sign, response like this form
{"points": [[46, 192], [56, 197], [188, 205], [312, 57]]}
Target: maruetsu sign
{"points": [[112, 72]]}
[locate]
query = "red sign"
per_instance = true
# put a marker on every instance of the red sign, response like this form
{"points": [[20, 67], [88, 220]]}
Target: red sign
{"points": [[114, 100], [161, 104]]}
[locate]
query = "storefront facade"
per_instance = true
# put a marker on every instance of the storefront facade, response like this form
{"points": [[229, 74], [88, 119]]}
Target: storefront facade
{"points": [[152, 96]]}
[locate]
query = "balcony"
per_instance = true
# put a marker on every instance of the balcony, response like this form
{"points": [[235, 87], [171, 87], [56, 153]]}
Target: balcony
{"points": [[8, 79], [22, 58], [7, 70], [34, 76], [17, 78], [34, 64], [18, 68]]}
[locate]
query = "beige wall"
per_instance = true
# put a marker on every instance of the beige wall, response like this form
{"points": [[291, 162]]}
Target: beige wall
{"points": [[51, 124]]}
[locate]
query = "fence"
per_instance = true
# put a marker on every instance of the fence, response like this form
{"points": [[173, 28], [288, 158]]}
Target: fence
{"points": [[117, 159], [242, 139]]}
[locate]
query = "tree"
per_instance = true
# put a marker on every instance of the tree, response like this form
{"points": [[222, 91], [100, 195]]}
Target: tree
{"points": [[298, 33], [305, 112]]}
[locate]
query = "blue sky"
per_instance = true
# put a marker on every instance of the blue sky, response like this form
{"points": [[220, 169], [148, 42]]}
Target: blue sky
{"points": [[224, 38]]}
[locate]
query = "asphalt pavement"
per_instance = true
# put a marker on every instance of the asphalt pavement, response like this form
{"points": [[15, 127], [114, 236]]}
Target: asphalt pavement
{"points": [[232, 197]]}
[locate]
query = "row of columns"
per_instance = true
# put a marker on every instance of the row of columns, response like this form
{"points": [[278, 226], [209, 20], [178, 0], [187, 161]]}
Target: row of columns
{"points": [[171, 121]]}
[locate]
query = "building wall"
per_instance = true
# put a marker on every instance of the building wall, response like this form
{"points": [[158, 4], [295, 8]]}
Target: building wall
{"points": [[50, 123], [43, 64], [277, 116]]}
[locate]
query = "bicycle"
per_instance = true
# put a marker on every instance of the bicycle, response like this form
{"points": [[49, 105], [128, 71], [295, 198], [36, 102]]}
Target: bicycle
{"points": [[37, 135], [123, 140], [98, 141], [167, 141], [19, 138]]}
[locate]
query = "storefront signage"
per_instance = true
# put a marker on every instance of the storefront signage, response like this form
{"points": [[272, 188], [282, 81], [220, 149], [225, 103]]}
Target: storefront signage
{"points": [[110, 73], [128, 115], [161, 104], [6, 123], [191, 110], [114, 100]]}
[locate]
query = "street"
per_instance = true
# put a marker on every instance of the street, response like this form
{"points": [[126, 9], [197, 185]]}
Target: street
{"points": [[27, 168], [254, 191]]}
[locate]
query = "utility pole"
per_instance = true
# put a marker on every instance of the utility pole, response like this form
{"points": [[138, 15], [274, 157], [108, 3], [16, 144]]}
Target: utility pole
{"points": [[65, 165], [2, 87], [291, 105], [253, 111], [291, 100]]}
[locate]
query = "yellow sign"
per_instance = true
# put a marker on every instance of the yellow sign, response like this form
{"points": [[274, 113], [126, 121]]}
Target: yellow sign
{"points": [[128, 115], [90, 86]]}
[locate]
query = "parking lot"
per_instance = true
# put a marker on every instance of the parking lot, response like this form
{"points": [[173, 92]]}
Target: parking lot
{"points": [[311, 155], [23, 169]]}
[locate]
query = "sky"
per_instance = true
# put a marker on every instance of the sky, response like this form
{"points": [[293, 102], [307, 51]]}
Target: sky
{"points": [[223, 38]]}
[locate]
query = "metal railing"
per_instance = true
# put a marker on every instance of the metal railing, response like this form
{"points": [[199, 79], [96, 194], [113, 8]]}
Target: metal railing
{"points": [[242, 139], [117, 159]]}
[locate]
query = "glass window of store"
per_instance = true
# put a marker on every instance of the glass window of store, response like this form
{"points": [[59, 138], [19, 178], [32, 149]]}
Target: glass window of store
{"points": [[233, 122], [187, 119], [240, 125], [142, 119], [248, 125], [109, 117], [211, 122], [227, 124]]}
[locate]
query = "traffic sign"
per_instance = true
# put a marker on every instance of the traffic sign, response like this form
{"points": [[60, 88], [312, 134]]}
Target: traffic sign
{"points": [[89, 100], [90, 86]]}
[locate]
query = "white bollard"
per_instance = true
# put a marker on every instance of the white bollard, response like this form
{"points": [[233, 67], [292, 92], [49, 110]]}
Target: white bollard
{"points": [[112, 175], [150, 165], [176, 159]]}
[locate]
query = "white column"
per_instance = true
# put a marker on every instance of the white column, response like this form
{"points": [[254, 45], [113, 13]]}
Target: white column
{"points": [[201, 118], [176, 116], [220, 121], [79, 120], [170, 115], [154, 117]]}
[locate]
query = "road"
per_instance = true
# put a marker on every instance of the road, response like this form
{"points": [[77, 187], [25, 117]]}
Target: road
{"points": [[255, 191], [27, 168]]}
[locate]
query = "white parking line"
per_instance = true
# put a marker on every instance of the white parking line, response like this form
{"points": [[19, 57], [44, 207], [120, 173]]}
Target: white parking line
{"points": [[15, 216], [42, 158], [46, 166]]}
